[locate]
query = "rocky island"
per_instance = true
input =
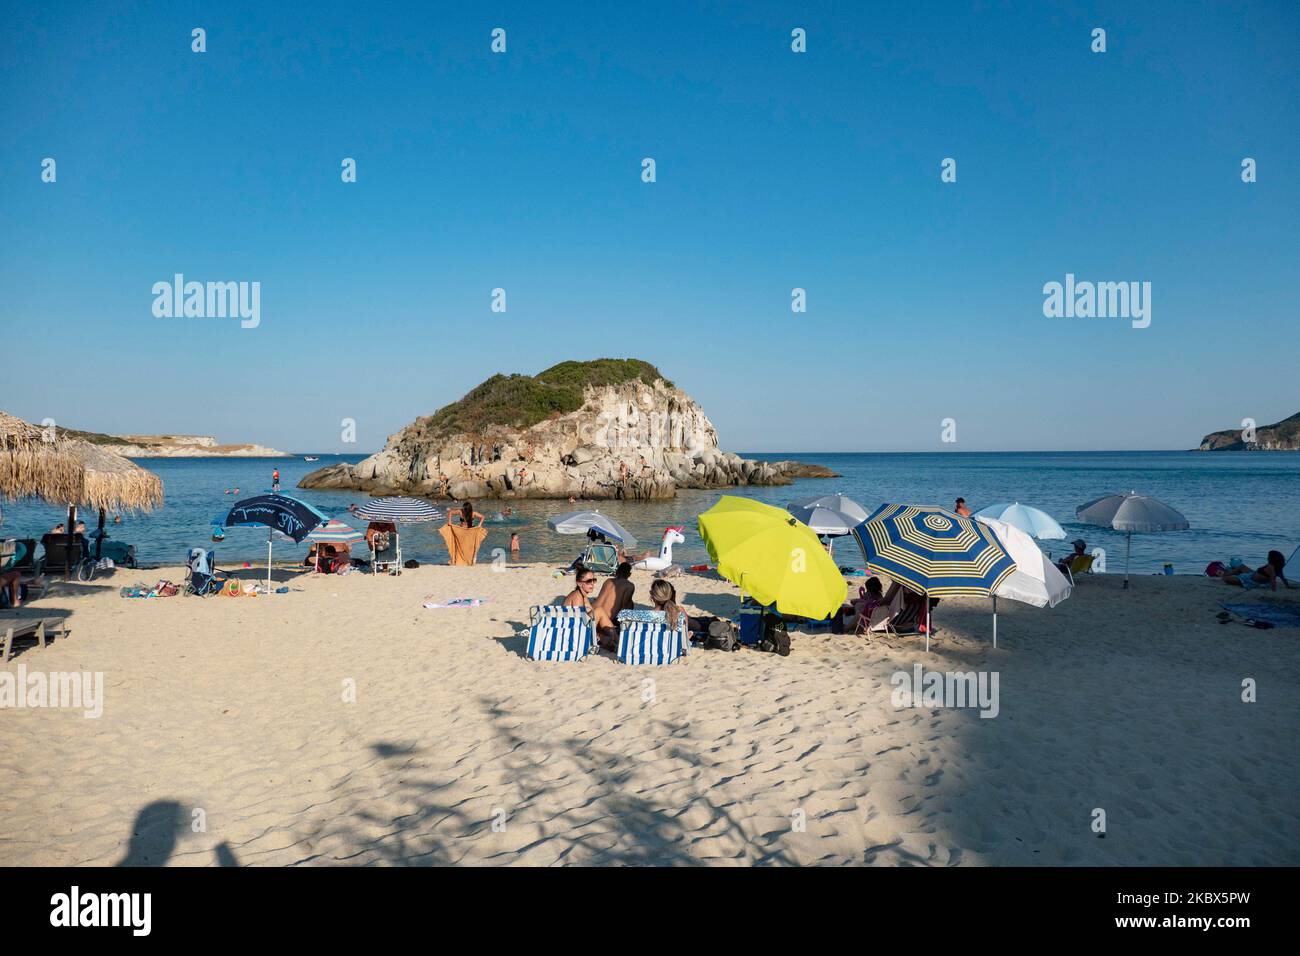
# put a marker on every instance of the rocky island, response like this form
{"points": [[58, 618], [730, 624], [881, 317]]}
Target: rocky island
{"points": [[1280, 436], [608, 428]]}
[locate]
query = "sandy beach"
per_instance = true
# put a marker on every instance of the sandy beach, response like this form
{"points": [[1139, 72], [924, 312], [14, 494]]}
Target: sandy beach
{"points": [[226, 738]]}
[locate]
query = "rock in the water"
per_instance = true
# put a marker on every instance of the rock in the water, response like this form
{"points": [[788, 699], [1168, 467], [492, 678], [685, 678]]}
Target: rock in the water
{"points": [[595, 430]]}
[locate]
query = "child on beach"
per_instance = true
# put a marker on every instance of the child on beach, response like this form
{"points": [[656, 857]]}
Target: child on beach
{"points": [[514, 544]]}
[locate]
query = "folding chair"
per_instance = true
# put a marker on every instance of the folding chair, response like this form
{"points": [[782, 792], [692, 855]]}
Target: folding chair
{"points": [[652, 642], [1079, 564], [560, 633]]}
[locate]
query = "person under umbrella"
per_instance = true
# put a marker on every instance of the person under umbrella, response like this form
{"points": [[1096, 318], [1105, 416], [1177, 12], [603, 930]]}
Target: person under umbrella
{"points": [[933, 552]]}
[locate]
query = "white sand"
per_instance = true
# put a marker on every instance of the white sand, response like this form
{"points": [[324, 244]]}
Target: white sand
{"points": [[1130, 702]]}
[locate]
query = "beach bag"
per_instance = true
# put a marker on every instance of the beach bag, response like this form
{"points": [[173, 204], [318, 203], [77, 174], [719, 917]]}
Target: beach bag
{"points": [[381, 541], [722, 636], [776, 638]]}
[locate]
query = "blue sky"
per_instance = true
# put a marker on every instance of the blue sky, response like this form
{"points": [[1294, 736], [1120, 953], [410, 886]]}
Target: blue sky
{"points": [[775, 170]]}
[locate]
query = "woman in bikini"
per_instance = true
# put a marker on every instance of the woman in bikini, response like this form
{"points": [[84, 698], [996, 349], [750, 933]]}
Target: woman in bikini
{"points": [[1266, 575]]}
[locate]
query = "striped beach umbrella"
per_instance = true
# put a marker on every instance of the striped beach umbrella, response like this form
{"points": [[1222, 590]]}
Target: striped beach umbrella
{"points": [[398, 509], [933, 551], [335, 532]]}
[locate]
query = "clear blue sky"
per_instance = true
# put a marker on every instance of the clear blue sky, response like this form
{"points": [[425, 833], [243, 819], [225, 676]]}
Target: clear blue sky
{"points": [[775, 170]]}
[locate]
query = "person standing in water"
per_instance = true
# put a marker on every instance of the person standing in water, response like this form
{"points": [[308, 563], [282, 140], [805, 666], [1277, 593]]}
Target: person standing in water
{"points": [[275, 480]]}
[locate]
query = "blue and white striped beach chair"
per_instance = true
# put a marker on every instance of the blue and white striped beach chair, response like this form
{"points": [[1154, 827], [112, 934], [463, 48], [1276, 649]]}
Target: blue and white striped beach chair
{"points": [[651, 642], [560, 633]]}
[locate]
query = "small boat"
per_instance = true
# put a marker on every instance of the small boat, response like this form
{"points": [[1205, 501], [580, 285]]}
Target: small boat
{"points": [[311, 457]]}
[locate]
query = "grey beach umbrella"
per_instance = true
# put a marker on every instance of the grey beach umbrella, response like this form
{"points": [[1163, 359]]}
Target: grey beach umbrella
{"points": [[1129, 512]]}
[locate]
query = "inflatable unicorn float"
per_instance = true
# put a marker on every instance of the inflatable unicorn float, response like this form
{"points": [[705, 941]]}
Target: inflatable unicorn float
{"points": [[672, 535]]}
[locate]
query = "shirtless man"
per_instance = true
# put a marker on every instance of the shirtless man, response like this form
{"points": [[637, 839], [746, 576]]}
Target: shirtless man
{"points": [[961, 508], [614, 596]]}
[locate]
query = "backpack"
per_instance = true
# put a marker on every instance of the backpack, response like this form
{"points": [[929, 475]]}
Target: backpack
{"points": [[723, 636], [776, 638]]}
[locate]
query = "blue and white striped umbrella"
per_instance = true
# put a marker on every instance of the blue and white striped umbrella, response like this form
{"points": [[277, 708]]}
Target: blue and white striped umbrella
{"points": [[335, 532], [1032, 521], [398, 509], [933, 551]]}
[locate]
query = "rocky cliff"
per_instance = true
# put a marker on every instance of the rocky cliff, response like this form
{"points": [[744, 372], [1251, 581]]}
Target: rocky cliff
{"points": [[1280, 436], [610, 428]]}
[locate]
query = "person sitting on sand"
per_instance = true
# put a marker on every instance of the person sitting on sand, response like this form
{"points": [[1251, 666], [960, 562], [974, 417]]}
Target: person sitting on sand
{"points": [[1080, 549], [664, 597], [580, 596], [961, 508], [1266, 574], [615, 596]]}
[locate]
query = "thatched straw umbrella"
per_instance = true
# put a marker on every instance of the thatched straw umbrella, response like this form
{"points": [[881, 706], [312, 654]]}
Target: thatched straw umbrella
{"points": [[31, 467], [73, 472]]}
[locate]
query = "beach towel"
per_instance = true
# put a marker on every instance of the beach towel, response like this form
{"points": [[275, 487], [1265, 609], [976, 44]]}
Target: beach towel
{"points": [[457, 602], [463, 543], [1279, 615]]}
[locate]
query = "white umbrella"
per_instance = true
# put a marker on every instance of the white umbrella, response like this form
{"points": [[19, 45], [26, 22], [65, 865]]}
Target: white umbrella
{"points": [[1036, 580], [1129, 512], [829, 514], [1032, 521], [580, 522]]}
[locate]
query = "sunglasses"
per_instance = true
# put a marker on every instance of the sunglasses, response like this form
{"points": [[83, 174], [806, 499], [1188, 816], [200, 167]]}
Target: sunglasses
{"points": [[587, 581]]}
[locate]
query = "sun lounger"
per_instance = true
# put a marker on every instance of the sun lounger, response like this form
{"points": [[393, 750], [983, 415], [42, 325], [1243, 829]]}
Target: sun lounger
{"points": [[38, 628], [560, 633], [652, 642]]}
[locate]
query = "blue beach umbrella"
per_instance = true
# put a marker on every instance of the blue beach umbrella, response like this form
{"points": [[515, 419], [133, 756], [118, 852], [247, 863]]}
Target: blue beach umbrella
{"points": [[279, 514], [1032, 521], [933, 551]]}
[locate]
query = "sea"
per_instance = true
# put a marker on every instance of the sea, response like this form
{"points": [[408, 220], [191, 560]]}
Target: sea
{"points": [[1239, 504]]}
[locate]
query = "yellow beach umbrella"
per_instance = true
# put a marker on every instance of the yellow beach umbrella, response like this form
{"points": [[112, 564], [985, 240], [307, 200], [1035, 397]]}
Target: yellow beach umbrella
{"points": [[768, 554]]}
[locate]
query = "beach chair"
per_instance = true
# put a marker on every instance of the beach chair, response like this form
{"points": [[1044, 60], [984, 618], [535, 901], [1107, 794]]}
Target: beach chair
{"points": [[1079, 564], [38, 628], [390, 558], [601, 558], [879, 621], [560, 633], [651, 641], [201, 577]]}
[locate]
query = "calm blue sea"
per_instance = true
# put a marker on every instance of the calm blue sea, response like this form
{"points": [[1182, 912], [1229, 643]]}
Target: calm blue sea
{"points": [[1238, 504]]}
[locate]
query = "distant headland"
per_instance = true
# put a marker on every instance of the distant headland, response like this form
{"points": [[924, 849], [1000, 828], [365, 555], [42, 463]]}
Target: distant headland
{"points": [[1280, 436], [173, 446], [607, 428]]}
